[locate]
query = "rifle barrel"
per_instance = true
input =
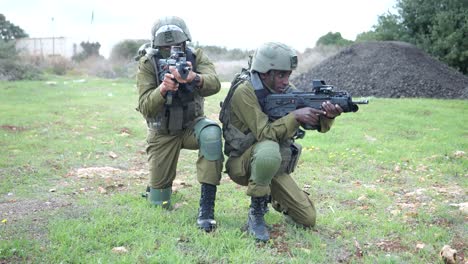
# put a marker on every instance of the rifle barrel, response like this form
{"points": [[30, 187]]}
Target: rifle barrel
{"points": [[361, 102]]}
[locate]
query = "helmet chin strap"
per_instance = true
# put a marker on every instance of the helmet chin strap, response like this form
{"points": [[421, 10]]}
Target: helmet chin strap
{"points": [[271, 78]]}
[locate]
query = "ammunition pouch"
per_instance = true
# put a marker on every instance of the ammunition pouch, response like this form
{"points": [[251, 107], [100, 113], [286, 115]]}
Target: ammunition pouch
{"points": [[296, 151], [290, 157], [236, 142], [174, 118]]}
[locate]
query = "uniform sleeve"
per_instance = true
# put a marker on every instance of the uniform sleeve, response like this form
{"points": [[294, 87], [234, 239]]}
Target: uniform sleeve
{"points": [[325, 124], [150, 100], [249, 116], [206, 68]]}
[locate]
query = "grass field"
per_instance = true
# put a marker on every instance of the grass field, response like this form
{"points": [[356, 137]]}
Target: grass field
{"points": [[389, 183]]}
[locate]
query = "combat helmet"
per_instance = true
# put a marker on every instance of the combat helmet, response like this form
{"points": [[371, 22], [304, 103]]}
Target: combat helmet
{"points": [[274, 56], [169, 30]]}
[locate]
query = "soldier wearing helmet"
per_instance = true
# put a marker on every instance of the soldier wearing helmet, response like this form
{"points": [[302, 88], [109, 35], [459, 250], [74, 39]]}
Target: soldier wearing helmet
{"points": [[179, 123], [262, 153]]}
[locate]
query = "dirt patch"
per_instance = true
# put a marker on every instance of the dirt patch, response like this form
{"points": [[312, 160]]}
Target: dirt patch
{"points": [[14, 210], [30, 217], [387, 69], [391, 245], [277, 235], [459, 243], [12, 128]]}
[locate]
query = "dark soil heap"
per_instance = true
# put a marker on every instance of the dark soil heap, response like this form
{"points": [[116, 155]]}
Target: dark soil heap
{"points": [[387, 69]]}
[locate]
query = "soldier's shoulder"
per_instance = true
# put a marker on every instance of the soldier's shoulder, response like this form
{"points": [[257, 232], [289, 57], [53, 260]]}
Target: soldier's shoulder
{"points": [[195, 51], [244, 88], [145, 59]]}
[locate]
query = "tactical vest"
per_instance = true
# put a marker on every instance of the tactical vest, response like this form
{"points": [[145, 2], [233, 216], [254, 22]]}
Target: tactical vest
{"points": [[186, 106], [237, 142]]}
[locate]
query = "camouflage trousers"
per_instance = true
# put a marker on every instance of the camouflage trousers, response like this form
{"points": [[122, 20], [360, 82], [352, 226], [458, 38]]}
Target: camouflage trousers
{"points": [[286, 196], [163, 155]]}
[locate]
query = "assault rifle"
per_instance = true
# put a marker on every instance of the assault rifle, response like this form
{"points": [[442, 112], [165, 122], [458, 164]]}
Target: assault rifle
{"points": [[279, 105], [178, 60]]}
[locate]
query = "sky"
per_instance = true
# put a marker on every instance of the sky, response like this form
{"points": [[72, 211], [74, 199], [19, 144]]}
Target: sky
{"points": [[242, 24]]}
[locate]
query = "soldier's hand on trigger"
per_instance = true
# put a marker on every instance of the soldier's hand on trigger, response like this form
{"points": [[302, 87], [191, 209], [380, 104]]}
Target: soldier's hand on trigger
{"points": [[191, 75], [168, 84], [308, 115], [331, 110]]}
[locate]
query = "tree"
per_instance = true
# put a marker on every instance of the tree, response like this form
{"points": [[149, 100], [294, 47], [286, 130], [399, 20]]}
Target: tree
{"points": [[90, 49], [439, 27], [126, 49], [333, 39], [8, 50], [388, 28], [449, 38], [9, 31]]}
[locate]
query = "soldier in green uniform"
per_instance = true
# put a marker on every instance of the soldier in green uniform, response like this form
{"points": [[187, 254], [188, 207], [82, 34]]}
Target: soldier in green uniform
{"points": [[262, 153], [172, 104]]}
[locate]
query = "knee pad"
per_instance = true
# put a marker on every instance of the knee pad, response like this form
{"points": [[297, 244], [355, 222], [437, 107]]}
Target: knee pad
{"points": [[266, 162], [208, 134]]}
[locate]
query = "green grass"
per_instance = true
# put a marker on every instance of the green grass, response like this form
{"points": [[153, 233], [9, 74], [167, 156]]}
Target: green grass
{"points": [[382, 180]]}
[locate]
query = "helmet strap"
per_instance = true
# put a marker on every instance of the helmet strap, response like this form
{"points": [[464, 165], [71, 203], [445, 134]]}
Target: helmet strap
{"points": [[268, 78]]}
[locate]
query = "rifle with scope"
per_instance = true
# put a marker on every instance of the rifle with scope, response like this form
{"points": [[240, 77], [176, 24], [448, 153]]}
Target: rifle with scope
{"points": [[179, 60], [279, 105]]}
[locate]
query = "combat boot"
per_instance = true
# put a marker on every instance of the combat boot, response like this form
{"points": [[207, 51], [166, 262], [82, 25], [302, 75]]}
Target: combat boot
{"points": [[160, 197], [256, 222], [205, 218]]}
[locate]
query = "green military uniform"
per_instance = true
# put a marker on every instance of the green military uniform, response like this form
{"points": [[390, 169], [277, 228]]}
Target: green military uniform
{"points": [[272, 141], [164, 145], [176, 120]]}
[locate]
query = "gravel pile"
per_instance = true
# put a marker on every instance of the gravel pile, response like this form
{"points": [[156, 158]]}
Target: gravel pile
{"points": [[387, 69]]}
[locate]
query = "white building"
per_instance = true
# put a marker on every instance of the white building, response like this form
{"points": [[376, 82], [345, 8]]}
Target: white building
{"points": [[50, 46]]}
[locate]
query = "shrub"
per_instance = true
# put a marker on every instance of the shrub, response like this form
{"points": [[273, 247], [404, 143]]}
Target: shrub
{"points": [[95, 66], [59, 65], [12, 67], [126, 50], [90, 49], [11, 70]]}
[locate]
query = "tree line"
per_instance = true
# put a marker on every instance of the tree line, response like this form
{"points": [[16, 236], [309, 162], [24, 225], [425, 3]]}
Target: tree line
{"points": [[439, 27]]}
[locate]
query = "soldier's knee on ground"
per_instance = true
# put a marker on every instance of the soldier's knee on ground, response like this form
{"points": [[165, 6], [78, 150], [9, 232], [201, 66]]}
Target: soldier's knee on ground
{"points": [[209, 139], [308, 219], [304, 215]]}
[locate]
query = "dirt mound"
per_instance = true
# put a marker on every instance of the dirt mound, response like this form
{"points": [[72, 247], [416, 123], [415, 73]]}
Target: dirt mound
{"points": [[387, 69]]}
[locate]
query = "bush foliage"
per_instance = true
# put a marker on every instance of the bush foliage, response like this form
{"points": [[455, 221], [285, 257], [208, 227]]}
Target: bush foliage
{"points": [[334, 39], [9, 31], [12, 68], [126, 50], [438, 27]]}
